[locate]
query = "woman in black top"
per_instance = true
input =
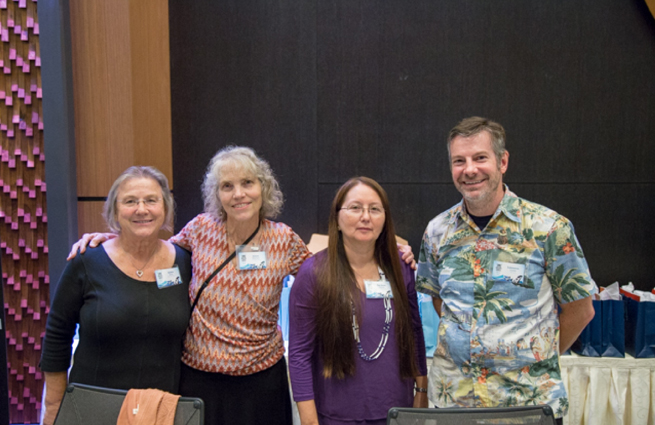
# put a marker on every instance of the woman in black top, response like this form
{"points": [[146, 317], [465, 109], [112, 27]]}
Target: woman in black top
{"points": [[129, 297]]}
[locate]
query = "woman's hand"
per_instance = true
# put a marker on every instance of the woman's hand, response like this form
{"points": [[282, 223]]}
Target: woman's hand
{"points": [[408, 255], [90, 239]]}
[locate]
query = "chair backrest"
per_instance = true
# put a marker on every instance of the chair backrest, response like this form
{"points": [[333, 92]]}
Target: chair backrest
{"points": [[537, 415], [86, 404]]}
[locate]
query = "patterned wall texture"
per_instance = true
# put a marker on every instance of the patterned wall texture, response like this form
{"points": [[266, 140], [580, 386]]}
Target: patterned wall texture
{"points": [[23, 218]]}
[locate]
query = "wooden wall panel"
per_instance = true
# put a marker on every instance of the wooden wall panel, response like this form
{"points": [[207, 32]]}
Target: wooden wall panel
{"points": [[122, 97], [103, 111], [151, 90], [89, 217]]}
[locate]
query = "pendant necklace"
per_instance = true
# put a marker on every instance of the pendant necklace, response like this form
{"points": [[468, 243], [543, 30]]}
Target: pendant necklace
{"points": [[139, 270]]}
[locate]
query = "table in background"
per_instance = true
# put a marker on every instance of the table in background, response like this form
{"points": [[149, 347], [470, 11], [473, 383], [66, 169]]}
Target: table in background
{"points": [[609, 391]]}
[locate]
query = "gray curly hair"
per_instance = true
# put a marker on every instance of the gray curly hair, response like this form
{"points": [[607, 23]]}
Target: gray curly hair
{"points": [[245, 159], [138, 172]]}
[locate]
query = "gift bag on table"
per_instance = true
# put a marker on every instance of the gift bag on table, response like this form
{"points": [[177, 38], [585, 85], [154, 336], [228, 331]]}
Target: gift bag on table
{"points": [[640, 328], [604, 336]]}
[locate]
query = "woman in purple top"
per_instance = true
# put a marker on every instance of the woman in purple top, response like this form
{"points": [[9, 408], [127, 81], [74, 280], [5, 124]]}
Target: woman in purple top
{"points": [[356, 345]]}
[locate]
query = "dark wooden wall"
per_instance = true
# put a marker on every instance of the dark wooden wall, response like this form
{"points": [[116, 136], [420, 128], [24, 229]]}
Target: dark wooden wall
{"points": [[326, 90]]}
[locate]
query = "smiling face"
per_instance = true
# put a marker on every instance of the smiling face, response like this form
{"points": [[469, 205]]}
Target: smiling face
{"points": [[361, 227], [140, 209], [240, 193], [477, 174]]}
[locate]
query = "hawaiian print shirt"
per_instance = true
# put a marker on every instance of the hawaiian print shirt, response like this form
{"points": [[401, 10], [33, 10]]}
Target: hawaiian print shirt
{"points": [[498, 338]]}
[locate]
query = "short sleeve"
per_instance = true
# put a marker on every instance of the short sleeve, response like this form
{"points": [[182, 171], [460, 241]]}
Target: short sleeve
{"points": [[184, 239], [427, 279], [566, 267], [298, 252]]}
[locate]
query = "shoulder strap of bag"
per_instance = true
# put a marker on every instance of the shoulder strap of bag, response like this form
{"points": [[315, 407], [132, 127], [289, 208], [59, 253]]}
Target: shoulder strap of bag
{"points": [[223, 264]]}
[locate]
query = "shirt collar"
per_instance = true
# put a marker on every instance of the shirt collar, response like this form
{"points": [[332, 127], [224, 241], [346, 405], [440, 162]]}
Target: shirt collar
{"points": [[509, 206]]}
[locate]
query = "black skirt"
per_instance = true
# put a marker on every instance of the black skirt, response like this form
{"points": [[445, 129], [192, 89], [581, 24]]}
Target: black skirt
{"points": [[260, 398]]}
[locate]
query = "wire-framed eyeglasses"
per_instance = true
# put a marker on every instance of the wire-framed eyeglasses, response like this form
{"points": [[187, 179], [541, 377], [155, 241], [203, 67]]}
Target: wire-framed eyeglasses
{"points": [[134, 203], [357, 210]]}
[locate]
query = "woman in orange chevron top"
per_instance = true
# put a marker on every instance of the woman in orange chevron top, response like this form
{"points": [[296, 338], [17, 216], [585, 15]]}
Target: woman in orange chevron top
{"points": [[234, 353]]}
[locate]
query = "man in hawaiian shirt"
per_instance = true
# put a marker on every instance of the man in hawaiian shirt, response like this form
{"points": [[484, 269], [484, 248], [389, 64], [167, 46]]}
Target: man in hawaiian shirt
{"points": [[497, 266]]}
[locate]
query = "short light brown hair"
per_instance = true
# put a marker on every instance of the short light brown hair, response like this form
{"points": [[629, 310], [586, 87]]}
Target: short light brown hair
{"points": [[473, 125]]}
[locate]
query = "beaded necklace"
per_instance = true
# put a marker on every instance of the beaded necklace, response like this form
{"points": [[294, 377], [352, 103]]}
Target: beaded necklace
{"points": [[385, 329]]}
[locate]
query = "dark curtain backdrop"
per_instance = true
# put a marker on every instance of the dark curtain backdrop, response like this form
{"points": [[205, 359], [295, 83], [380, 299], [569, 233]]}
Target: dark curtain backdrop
{"points": [[326, 90]]}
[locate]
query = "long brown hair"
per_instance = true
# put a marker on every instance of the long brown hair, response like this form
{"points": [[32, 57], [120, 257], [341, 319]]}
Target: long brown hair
{"points": [[337, 292]]}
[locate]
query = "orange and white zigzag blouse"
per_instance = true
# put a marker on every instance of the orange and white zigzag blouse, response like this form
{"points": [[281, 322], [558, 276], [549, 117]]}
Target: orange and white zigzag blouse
{"points": [[233, 329]]}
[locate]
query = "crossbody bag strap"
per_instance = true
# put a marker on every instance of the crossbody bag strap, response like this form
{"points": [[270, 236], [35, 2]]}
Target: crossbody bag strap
{"points": [[219, 268]]}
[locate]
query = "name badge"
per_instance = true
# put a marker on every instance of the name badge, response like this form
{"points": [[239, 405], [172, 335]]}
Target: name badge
{"points": [[378, 288], [250, 258], [508, 272], [168, 277]]}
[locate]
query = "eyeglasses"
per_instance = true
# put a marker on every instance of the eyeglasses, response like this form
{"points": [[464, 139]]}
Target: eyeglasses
{"points": [[358, 210], [134, 203]]}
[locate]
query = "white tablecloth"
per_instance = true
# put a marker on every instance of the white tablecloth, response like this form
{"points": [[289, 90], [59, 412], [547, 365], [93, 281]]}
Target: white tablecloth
{"points": [[609, 391]]}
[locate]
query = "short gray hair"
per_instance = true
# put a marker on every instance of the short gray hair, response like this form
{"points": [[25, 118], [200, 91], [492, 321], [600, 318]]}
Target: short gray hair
{"points": [[139, 172], [473, 125], [246, 159]]}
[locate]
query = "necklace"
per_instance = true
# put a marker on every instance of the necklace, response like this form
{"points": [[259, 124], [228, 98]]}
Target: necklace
{"points": [[139, 270], [385, 329]]}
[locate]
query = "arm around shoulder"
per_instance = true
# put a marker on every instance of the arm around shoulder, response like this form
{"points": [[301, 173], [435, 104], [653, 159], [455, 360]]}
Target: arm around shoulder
{"points": [[89, 239]]}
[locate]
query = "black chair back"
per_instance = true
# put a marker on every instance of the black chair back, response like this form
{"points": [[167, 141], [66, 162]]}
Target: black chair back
{"points": [[86, 404], [536, 415]]}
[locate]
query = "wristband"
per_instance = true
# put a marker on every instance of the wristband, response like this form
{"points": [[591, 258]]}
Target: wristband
{"points": [[420, 390]]}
